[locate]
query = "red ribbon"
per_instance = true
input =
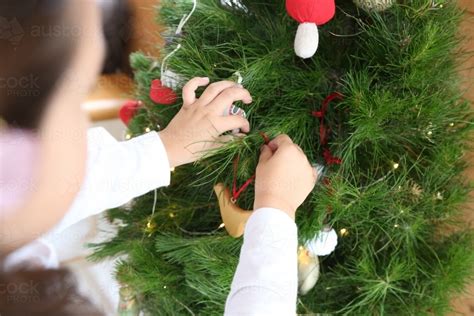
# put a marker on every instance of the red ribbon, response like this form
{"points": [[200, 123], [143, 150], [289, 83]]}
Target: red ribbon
{"points": [[236, 192], [324, 131]]}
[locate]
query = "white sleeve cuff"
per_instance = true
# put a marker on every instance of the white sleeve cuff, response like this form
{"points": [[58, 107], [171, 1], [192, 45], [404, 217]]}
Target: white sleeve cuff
{"points": [[265, 282]]}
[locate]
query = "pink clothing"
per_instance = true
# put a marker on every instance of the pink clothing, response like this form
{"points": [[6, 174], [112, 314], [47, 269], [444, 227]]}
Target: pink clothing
{"points": [[18, 151]]}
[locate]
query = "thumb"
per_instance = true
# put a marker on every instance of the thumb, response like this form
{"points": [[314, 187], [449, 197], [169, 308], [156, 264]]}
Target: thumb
{"points": [[265, 154]]}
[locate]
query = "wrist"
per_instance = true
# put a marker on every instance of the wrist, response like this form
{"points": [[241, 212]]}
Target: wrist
{"points": [[276, 203], [169, 148]]}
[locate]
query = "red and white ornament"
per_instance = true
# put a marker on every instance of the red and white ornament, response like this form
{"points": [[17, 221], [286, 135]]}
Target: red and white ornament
{"points": [[129, 110], [161, 94], [310, 14]]}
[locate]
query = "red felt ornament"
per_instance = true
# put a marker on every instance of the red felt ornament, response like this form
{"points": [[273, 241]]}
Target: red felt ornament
{"points": [[310, 14], [128, 110], [161, 94]]}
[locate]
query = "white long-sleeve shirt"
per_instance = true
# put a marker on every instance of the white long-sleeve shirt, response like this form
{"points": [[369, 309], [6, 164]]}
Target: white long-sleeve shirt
{"points": [[265, 282]]}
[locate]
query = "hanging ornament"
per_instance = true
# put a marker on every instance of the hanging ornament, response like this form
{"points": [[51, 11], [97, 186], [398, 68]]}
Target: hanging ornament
{"points": [[161, 94], [310, 14], [323, 243], [129, 110], [232, 215], [171, 79], [374, 5], [308, 270]]}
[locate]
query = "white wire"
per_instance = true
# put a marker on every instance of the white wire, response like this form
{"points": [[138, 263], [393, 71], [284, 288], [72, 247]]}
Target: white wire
{"points": [[179, 29], [185, 18], [155, 198], [163, 63]]}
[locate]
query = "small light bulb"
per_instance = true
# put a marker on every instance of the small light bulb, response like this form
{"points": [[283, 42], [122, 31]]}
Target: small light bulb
{"points": [[396, 225], [451, 124], [396, 165], [441, 6], [439, 196], [343, 232], [221, 225], [172, 215], [147, 130], [128, 136], [429, 133], [165, 287], [172, 169]]}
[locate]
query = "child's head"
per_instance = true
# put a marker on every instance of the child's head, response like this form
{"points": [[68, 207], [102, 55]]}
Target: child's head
{"points": [[51, 54], [41, 40]]}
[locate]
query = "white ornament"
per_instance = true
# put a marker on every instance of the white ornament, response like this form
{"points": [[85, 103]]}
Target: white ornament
{"points": [[308, 270], [306, 40], [323, 243], [374, 5], [171, 79]]}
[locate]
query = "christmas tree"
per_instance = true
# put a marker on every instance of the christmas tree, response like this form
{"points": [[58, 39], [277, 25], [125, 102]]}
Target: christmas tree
{"points": [[379, 105]]}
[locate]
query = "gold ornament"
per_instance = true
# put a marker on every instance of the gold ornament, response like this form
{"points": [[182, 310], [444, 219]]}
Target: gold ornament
{"points": [[232, 215], [374, 5], [308, 270]]}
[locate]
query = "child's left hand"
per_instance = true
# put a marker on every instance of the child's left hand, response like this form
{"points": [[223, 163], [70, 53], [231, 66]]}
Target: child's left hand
{"points": [[200, 122]]}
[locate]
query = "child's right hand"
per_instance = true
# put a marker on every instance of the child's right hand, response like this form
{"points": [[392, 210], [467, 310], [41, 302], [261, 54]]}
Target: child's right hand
{"points": [[284, 176], [200, 122]]}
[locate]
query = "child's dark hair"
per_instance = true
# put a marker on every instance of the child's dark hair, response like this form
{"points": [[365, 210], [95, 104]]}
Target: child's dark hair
{"points": [[36, 45]]}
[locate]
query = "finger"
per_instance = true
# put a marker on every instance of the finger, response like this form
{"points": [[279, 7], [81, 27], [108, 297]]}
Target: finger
{"points": [[227, 97], [279, 140], [265, 154], [189, 89], [214, 90], [228, 123]]}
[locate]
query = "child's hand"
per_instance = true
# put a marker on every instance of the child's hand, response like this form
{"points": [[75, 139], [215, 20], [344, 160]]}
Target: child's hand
{"points": [[200, 122], [284, 176]]}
